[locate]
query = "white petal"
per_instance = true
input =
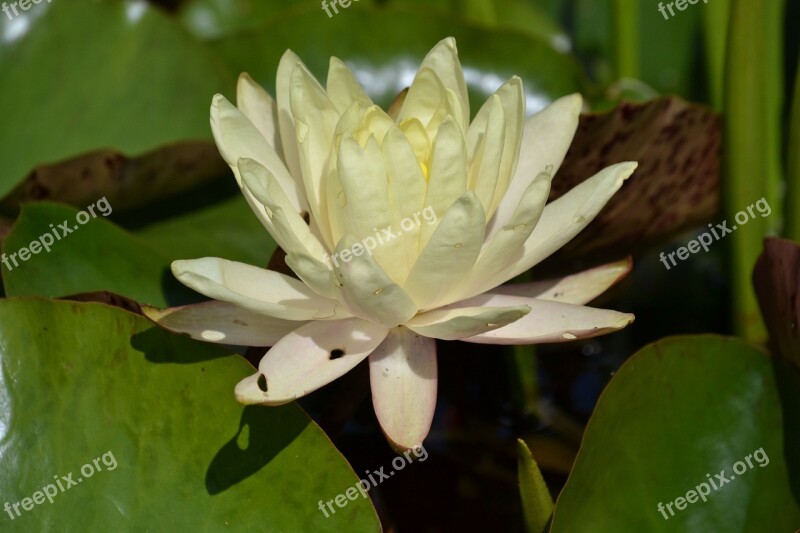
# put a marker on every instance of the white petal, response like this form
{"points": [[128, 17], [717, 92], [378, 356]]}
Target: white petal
{"points": [[579, 288], [365, 202], [484, 165], [549, 321], [222, 322], [260, 108], [425, 96], [443, 60], [283, 83], [546, 138], [309, 358], [255, 289], [367, 289], [450, 254], [403, 378], [503, 250], [561, 220], [291, 232], [343, 88], [236, 137], [448, 173], [494, 154], [315, 118], [462, 322], [406, 191]]}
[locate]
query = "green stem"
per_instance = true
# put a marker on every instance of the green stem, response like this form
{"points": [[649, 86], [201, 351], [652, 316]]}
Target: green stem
{"points": [[626, 38], [715, 34], [793, 167], [751, 155]]}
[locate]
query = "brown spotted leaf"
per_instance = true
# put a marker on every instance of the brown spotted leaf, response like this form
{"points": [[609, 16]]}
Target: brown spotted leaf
{"points": [[776, 278], [674, 188], [127, 182]]}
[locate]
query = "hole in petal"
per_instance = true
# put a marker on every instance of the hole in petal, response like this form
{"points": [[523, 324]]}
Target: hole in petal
{"points": [[262, 382], [305, 216], [336, 354]]}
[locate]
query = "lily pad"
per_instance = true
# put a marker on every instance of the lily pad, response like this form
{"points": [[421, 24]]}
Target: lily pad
{"points": [[677, 145], [95, 256], [228, 229], [677, 414], [145, 427], [127, 182], [140, 83]]}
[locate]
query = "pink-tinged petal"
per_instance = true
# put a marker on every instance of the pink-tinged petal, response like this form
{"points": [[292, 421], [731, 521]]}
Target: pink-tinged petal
{"points": [[579, 288], [222, 322], [309, 358], [458, 323], [403, 377], [550, 321]]}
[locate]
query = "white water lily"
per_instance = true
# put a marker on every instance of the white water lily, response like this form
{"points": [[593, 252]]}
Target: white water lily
{"points": [[331, 157]]}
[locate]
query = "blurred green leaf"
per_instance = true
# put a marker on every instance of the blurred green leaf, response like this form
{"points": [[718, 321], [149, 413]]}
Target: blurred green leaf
{"points": [[537, 503], [173, 449], [678, 410], [85, 76], [211, 19], [665, 50], [384, 48], [228, 229], [521, 15], [97, 256]]}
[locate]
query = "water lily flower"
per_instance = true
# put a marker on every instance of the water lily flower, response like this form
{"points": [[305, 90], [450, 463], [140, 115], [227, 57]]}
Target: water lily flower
{"points": [[323, 168]]}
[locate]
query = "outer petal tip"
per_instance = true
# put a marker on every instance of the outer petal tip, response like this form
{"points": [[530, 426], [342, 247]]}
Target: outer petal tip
{"points": [[250, 391]]}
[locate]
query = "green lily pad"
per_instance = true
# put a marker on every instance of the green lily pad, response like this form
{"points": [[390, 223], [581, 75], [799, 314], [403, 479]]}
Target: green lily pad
{"points": [[385, 46], [85, 77], [95, 256], [679, 412], [145, 426], [228, 229]]}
